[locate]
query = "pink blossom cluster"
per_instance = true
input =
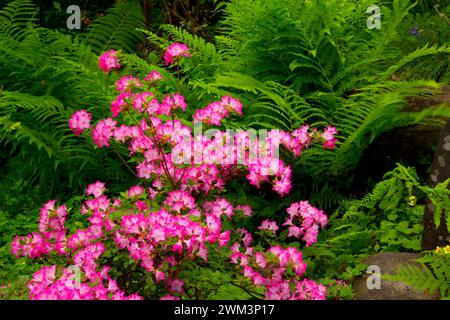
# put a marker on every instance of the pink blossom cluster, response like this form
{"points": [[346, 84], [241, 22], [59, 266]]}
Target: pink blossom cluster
{"points": [[215, 112], [271, 166], [127, 83], [146, 102], [162, 239], [175, 51], [108, 61], [268, 225], [212, 155], [103, 132], [153, 76], [80, 121], [198, 163], [50, 238], [304, 220], [329, 138], [272, 269], [96, 189], [79, 282]]}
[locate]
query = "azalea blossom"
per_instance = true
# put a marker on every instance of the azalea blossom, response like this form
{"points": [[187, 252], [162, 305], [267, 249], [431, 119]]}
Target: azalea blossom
{"points": [[80, 121], [153, 76], [109, 61], [175, 51], [96, 189]]}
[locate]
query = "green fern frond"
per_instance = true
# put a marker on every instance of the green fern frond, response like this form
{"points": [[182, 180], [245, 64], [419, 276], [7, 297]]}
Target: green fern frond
{"points": [[16, 18], [118, 29], [432, 274], [419, 53]]}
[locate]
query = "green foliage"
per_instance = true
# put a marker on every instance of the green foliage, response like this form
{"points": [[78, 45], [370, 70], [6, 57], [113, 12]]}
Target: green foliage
{"points": [[14, 273], [433, 27], [291, 62], [439, 197], [433, 274], [118, 28], [46, 76], [391, 212], [316, 62], [16, 18], [389, 218], [205, 58]]}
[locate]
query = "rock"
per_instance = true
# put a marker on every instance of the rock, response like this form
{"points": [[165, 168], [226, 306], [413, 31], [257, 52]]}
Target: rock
{"points": [[388, 262], [440, 171]]}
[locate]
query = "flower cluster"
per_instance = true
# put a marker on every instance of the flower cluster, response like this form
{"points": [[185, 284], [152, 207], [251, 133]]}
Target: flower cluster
{"points": [[80, 121], [103, 132], [177, 216], [304, 220], [127, 83], [443, 250], [108, 61], [215, 112], [329, 137], [153, 77], [162, 239], [272, 269], [50, 238], [96, 286], [175, 51]]}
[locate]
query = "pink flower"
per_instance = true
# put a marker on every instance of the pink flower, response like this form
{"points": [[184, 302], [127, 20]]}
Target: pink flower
{"points": [[260, 260], [169, 297], [294, 232], [122, 133], [123, 100], [177, 285], [175, 101], [96, 189], [142, 99], [269, 226], [216, 111], [153, 76], [224, 238], [231, 104], [160, 276], [328, 136], [309, 290], [282, 186], [141, 205], [127, 83], [246, 209], [80, 121], [108, 61], [180, 200], [103, 132], [175, 51], [310, 219], [135, 191]]}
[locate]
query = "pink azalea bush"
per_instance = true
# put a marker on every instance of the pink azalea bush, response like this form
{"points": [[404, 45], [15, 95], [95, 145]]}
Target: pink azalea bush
{"points": [[179, 215]]}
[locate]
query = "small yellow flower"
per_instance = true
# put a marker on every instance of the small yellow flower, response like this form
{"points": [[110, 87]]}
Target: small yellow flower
{"points": [[443, 250], [412, 201]]}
